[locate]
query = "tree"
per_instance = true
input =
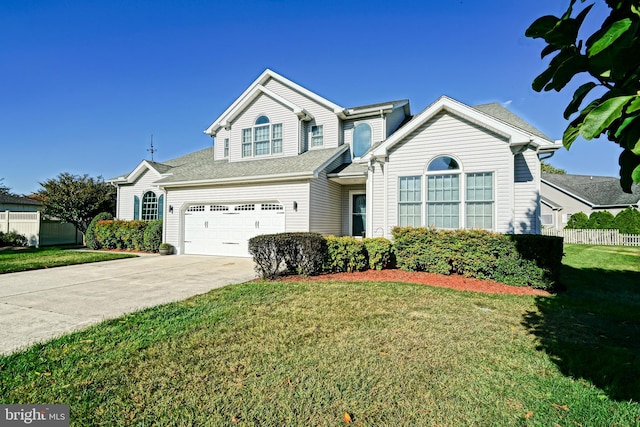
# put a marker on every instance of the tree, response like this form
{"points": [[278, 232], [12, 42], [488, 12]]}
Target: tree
{"points": [[628, 221], [547, 168], [577, 220], [611, 61], [76, 199], [600, 220], [4, 190]]}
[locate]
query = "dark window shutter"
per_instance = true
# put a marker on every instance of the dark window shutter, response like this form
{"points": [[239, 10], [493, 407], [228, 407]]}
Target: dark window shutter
{"points": [[160, 206], [136, 207]]}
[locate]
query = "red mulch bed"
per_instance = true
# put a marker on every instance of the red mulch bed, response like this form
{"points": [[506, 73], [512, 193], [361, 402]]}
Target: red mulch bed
{"points": [[394, 275]]}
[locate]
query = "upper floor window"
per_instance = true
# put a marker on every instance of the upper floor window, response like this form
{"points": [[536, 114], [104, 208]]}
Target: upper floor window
{"points": [[317, 136], [262, 139], [361, 139], [226, 147]]}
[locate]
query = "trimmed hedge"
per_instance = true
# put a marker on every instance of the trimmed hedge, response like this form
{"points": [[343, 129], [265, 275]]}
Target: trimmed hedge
{"points": [[379, 253], [130, 235], [90, 236], [153, 236], [519, 260], [288, 253], [345, 254]]}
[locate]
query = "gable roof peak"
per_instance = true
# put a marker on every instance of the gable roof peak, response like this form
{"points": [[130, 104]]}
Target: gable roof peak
{"points": [[257, 87]]}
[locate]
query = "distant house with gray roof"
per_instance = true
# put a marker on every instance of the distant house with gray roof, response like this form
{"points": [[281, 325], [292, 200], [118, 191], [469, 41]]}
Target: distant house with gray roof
{"points": [[564, 194], [10, 202], [286, 159]]}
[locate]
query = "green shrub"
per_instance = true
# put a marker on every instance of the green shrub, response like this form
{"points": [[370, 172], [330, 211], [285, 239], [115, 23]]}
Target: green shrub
{"points": [[118, 234], [379, 252], [521, 260], [152, 236], [628, 221], [345, 254], [288, 253], [600, 220], [90, 235], [577, 220], [12, 238]]}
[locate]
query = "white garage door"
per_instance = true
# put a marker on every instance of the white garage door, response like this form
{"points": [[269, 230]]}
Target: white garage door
{"points": [[226, 229]]}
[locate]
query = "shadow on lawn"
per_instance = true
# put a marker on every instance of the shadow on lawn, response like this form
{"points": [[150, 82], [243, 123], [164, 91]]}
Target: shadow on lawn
{"points": [[591, 330]]}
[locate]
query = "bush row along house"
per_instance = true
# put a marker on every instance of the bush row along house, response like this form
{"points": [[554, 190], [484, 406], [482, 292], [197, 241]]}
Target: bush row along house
{"points": [[287, 159]]}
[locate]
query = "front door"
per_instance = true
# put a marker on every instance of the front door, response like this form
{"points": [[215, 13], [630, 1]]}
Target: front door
{"points": [[358, 214]]}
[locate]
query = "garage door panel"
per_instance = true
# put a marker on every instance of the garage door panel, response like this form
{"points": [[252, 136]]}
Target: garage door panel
{"points": [[226, 229]]}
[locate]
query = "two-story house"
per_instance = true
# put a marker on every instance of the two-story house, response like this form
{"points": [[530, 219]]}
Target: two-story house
{"points": [[287, 159]]}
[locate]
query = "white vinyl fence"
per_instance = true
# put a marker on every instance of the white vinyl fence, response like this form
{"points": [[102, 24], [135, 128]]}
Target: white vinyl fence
{"points": [[594, 237], [39, 231]]}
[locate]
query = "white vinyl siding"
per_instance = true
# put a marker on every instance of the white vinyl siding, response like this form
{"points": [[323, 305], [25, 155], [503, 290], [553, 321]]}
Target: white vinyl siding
{"points": [[284, 193], [127, 193], [377, 126], [320, 113], [477, 150], [526, 192], [284, 139], [325, 212]]}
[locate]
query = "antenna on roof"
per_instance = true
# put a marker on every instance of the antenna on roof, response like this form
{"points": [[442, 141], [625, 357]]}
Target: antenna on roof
{"points": [[152, 149]]}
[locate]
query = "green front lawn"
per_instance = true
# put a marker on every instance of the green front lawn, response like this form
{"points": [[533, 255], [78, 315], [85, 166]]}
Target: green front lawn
{"points": [[275, 354], [22, 259]]}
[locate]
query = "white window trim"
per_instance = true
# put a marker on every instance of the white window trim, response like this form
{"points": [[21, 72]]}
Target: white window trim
{"points": [[319, 146], [351, 194], [462, 172], [353, 139], [422, 202], [494, 218], [253, 128], [225, 148], [461, 189]]}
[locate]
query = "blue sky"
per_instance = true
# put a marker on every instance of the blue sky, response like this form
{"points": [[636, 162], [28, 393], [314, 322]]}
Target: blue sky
{"points": [[84, 84]]}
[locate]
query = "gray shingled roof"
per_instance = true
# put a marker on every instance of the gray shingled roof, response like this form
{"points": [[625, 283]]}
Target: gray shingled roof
{"points": [[200, 166], [597, 190], [350, 169], [17, 200], [499, 112]]}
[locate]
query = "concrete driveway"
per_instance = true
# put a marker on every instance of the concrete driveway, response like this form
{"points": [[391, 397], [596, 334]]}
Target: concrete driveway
{"points": [[41, 304]]}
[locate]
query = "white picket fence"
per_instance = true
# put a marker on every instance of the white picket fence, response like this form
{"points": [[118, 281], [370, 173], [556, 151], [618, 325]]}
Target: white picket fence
{"points": [[39, 231], [594, 237]]}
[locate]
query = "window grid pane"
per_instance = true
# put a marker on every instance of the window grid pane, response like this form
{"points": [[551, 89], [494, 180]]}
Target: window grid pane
{"points": [[443, 201], [479, 204], [316, 136], [276, 141], [409, 201], [246, 142], [149, 206], [226, 147]]}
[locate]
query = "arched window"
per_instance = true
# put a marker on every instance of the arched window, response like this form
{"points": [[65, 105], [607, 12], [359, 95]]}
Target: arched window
{"points": [[149, 206], [443, 163], [262, 139], [361, 139], [443, 193]]}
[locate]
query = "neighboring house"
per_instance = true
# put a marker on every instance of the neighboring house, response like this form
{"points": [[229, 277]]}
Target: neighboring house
{"points": [[287, 159], [18, 204], [24, 216], [565, 194]]}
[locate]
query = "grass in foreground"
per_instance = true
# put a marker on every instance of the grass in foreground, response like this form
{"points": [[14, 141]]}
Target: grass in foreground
{"points": [[13, 260], [274, 354]]}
